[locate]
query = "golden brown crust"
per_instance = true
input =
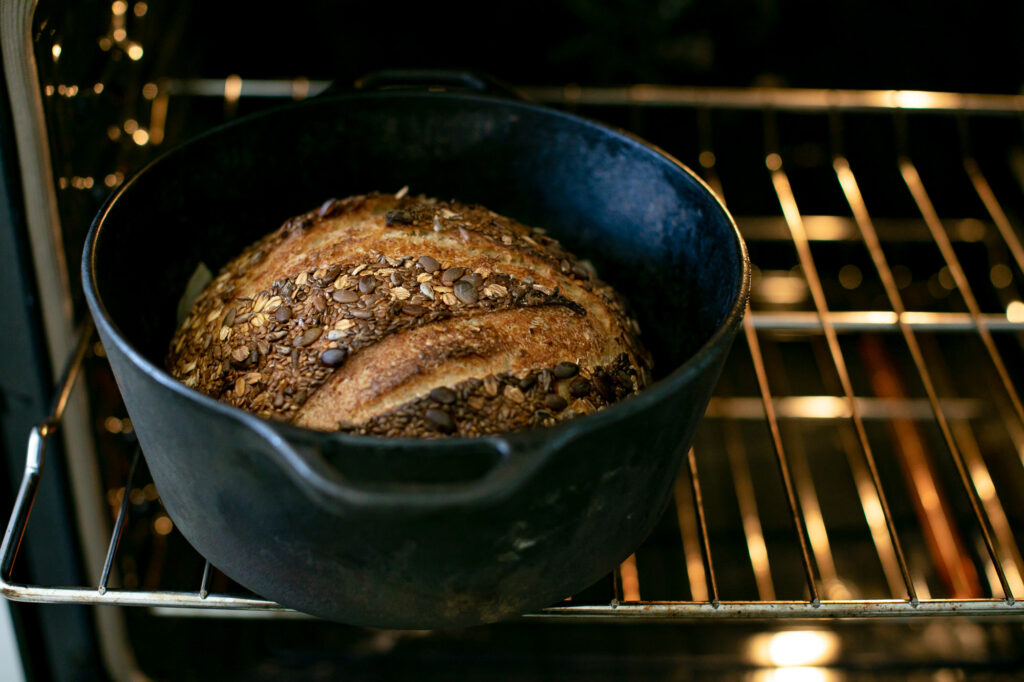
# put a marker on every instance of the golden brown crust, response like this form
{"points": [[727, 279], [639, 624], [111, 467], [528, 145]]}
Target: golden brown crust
{"points": [[353, 313]]}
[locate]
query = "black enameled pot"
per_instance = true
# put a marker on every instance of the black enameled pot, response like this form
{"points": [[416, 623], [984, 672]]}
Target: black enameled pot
{"points": [[400, 532]]}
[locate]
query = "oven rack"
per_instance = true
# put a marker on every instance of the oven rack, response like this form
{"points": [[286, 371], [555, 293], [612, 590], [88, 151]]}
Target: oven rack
{"points": [[998, 538], [201, 599]]}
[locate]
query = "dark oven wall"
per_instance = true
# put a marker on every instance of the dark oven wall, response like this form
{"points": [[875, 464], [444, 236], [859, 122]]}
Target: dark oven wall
{"points": [[101, 113]]}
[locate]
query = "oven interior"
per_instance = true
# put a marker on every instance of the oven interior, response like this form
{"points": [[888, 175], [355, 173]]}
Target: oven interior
{"points": [[854, 500]]}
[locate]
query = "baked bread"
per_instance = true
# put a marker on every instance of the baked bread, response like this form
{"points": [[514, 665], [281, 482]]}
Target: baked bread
{"points": [[409, 316]]}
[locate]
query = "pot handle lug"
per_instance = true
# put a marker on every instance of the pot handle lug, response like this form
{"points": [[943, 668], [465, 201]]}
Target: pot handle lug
{"points": [[518, 457], [432, 80]]}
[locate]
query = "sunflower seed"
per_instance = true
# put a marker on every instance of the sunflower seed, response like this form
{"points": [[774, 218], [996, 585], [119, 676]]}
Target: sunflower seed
{"points": [[440, 420], [466, 292], [327, 207], [283, 314], [443, 395], [345, 296], [414, 310], [429, 264], [579, 387], [564, 370], [555, 402], [397, 216], [332, 357], [451, 275], [331, 273], [427, 290], [603, 386], [367, 283], [308, 337]]}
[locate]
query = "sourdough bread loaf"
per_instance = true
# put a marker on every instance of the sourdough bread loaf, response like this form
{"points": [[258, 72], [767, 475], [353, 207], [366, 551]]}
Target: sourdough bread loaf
{"points": [[396, 315]]}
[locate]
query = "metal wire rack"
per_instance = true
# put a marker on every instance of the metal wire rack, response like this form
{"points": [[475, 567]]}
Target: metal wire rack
{"points": [[957, 537]]}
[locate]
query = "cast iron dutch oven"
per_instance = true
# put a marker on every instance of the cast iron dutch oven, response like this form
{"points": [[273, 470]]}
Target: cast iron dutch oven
{"points": [[401, 532]]}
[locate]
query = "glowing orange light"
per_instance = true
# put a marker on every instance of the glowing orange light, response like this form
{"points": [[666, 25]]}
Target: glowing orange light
{"points": [[1001, 276], [163, 525], [232, 88]]}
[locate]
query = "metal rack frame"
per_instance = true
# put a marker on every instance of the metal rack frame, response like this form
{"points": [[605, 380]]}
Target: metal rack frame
{"points": [[997, 537]]}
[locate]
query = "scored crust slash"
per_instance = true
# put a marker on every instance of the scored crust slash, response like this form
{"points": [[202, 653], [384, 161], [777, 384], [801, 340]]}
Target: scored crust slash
{"points": [[400, 315]]}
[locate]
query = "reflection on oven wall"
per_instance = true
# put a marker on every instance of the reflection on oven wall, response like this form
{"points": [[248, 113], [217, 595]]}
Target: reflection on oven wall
{"points": [[120, 82]]}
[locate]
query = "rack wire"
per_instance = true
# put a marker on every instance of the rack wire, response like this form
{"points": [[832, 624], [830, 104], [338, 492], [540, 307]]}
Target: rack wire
{"points": [[854, 411]]}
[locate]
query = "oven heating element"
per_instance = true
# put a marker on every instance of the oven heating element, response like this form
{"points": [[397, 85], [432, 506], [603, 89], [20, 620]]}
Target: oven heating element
{"points": [[978, 569]]}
